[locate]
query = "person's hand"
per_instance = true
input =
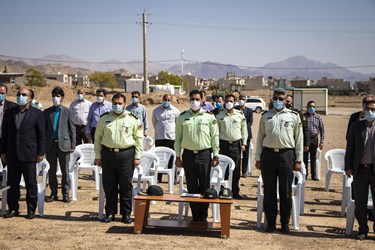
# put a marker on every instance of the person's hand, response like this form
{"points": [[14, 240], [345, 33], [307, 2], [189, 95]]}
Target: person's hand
{"points": [[243, 148], [145, 133], [72, 150], [179, 162], [321, 146], [98, 162], [39, 158], [136, 162], [297, 166], [257, 165], [214, 162], [3, 157], [349, 173], [306, 149]]}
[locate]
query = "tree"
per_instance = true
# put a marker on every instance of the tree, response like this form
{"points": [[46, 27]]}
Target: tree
{"points": [[103, 79], [165, 77], [35, 78]]}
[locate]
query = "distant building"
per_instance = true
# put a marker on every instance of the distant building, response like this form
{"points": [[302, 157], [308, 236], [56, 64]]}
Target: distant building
{"points": [[231, 82], [192, 83], [254, 82], [134, 84], [301, 83], [333, 84], [10, 77]]}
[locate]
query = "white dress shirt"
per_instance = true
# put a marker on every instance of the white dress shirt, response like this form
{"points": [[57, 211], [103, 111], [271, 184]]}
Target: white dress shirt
{"points": [[164, 122], [80, 111]]}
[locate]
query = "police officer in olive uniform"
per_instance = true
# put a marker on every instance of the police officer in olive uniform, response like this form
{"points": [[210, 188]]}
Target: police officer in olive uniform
{"points": [[233, 138], [198, 134], [279, 150], [118, 149]]}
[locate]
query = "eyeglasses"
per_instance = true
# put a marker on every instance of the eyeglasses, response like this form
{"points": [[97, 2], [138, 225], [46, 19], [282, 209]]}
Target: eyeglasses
{"points": [[278, 98], [23, 94], [195, 99]]}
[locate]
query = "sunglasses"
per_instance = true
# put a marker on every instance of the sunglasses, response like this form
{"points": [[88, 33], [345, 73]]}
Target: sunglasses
{"points": [[195, 99], [278, 98], [23, 94]]}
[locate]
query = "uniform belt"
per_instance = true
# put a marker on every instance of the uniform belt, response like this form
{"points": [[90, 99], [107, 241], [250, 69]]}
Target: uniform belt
{"points": [[370, 165], [196, 151], [116, 150], [277, 150], [231, 142]]}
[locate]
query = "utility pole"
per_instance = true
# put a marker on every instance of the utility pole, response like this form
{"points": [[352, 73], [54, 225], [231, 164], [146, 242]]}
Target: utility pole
{"points": [[145, 75], [182, 70]]}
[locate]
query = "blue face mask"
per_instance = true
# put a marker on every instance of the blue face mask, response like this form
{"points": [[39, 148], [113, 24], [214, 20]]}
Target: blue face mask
{"points": [[166, 104], [21, 100], [117, 108], [134, 99], [311, 110], [278, 104], [219, 105], [369, 116], [2, 97]]}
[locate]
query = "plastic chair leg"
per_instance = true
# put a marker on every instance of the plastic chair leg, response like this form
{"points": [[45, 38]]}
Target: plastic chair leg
{"points": [[259, 211], [101, 199], [328, 180], [4, 202], [170, 183], [350, 219], [97, 184]]}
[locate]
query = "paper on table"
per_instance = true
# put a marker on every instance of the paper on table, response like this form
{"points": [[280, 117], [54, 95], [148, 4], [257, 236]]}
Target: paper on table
{"points": [[190, 195]]}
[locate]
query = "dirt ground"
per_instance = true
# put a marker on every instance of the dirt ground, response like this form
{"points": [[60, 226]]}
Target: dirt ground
{"points": [[76, 225]]}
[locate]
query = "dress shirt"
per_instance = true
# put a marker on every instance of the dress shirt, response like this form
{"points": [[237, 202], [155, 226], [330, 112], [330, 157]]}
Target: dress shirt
{"points": [[207, 106], [315, 125], [96, 110], [56, 120], [80, 111], [20, 116], [139, 111], [232, 126], [164, 122]]}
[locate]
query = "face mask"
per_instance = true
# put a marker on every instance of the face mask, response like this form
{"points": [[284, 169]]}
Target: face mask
{"points": [[166, 104], [288, 105], [100, 99], [195, 105], [56, 101], [278, 104], [134, 99], [21, 100], [241, 102], [311, 110], [369, 116], [229, 105], [117, 108], [2, 97], [80, 97], [219, 105]]}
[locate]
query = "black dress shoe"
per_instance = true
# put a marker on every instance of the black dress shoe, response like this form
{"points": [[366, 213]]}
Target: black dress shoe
{"points": [[30, 215], [314, 178], [285, 229], [238, 197], [108, 218], [361, 236], [50, 198], [126, 219], [203, 219], [66, 199], [11, 214], [270, 229]]}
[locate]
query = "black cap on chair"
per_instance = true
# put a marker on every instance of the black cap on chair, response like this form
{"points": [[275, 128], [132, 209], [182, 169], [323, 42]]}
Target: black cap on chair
{"points": [[210, 193], [155, 190], [226, 193]]}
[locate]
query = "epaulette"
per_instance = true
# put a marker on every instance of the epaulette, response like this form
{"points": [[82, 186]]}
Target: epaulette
{"points": [[207, 111], [294, 112], [183, 112], [134, 116], [265, 112], [106, 113]]}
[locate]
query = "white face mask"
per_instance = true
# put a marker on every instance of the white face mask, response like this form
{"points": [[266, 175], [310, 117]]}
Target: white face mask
{"points": [[229, 105], [100, 99], [56, 100], [195, 105], [241, 102]]}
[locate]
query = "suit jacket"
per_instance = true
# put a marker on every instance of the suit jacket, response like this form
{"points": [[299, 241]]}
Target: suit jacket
{"points": [[9, 104], [67, 130], [353, 118], [355, 146], [29, 140]]}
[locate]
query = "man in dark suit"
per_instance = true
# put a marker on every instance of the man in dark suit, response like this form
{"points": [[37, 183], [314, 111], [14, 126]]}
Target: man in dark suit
{"points": [[359, 162], [60, 142], [4, 105], [357, 116], [23, 145]]}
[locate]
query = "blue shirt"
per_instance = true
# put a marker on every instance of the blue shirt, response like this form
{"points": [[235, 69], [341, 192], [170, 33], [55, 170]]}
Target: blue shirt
{"points": [[96, 110], [140, 112], [207, 106], [56, 120]]}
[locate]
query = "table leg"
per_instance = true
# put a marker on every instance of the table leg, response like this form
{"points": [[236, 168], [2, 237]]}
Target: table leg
{"points": [[225, 220], [140, 215]]}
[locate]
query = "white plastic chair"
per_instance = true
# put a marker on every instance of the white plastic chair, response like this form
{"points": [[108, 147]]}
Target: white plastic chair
{"points": [[148, 143], [335, 164], [318, 163], [88, 161], [296, 198], [149, 162], [303, 187], [250, 162], [164, 155], [351, 205], [136, 175], [226, 164], [76, 158], [4, 174]]}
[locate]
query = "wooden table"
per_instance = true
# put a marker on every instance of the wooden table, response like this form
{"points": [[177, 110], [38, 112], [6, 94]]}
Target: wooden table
{"points": [[142, 206]]}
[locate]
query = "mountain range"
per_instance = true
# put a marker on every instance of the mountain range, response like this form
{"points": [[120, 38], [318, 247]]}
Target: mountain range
{"points": [[292, 67]]}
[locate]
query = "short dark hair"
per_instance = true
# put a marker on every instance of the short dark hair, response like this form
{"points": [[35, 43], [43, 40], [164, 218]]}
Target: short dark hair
{"points": [[58, 91], [289, 95], [366, 99], [32, 95], [196, 91], [5, 86], [117, 96], [242, 96], [219, 96], [136, 93], [230, 95], [279, 91], [101, 90], [204, 93], [308, 104]]}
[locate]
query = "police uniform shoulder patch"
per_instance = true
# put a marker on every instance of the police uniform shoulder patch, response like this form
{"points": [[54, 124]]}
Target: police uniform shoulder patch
{"points": [[104, 114]]}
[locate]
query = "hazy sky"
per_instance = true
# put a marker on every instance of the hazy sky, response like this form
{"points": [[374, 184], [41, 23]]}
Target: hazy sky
{"points": [[240, 32]]}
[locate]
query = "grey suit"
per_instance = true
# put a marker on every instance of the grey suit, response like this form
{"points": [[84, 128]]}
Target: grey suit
{"points": [[363, 176], [59, 147]]}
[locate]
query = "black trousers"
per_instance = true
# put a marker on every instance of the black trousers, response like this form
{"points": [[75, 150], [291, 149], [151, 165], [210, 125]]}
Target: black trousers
{"points": [[364, 178], [81, 134], [312, 152], [245, 158], [52, 156], [197, 171], [15, 170], [92, 132], [277, 165], [233, 150], [118, 169], [168, 144]]}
